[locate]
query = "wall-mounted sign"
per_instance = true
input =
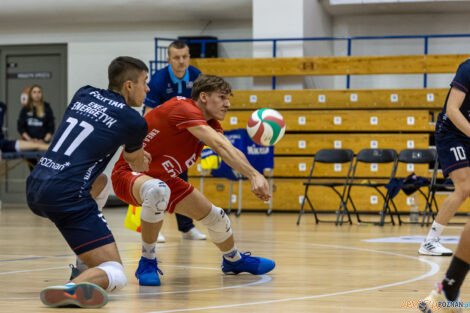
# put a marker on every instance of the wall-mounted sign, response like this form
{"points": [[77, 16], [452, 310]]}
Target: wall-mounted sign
{"points": [[30, 75]]}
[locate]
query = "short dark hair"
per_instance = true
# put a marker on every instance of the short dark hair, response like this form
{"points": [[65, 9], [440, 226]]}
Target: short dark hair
{"points": [[210, 83], [123, 69], [177, 44]]}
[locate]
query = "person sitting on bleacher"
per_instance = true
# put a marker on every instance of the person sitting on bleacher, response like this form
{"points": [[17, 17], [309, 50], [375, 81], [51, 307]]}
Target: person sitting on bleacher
{"points": [[16, 145]]}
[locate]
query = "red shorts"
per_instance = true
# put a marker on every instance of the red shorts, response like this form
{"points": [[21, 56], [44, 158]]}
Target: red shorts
{"points": [[123, 179]]}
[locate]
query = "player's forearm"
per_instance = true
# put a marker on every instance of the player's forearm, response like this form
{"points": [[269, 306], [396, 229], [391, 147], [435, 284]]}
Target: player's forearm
{"points": [[237, 160], [136, 160], [25, 136]]}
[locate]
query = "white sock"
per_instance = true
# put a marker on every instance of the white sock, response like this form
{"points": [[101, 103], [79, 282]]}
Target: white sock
{"points": [[148, 250], [435, 231], [232, 255], [81, 266]]}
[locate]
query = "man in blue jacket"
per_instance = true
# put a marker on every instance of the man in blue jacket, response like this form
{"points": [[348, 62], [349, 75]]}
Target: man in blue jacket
{"points": [[175, 80]]}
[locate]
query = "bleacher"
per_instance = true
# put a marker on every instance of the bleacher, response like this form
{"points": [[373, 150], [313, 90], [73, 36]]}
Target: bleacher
{"points": [[318, 119]]}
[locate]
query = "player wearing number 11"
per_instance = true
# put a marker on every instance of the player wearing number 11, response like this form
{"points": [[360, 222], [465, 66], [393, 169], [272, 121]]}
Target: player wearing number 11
{"points": [[68, 187]]}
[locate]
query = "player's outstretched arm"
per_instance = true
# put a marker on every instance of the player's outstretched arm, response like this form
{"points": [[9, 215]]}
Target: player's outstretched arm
{"points": [[233, 157], [456, 98], [32, 145], [138, 160]]}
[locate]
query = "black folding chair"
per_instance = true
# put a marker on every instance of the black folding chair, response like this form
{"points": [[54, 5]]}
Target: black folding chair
{"points": [[329, 156], [429, 214], [372, 156], [422, 156]]}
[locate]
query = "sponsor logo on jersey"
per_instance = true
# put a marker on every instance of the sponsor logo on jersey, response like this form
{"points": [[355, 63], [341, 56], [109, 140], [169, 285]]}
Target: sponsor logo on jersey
{"points": [[151, 134], [46, 162], [112, 102], [94, 111]]}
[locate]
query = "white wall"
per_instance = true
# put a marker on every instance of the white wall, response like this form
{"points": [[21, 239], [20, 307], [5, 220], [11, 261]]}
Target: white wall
{"points": [[278, 19], [91, 48], [317, 23]]}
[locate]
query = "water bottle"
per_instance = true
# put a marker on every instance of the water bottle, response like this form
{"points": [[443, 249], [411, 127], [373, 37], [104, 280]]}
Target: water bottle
{"points": [[414, 212]]}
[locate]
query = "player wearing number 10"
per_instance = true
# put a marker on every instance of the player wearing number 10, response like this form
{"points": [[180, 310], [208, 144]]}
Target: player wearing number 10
{"points": [[453, 147], [68, 187]]}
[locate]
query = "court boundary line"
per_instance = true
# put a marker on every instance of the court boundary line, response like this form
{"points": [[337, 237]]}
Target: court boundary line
{"points": [[434, 269]]}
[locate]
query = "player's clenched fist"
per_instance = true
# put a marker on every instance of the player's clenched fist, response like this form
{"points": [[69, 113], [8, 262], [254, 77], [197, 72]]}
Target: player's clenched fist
{"points": [[260, 187]]}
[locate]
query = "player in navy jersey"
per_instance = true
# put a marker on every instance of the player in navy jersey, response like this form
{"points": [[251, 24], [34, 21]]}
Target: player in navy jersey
{"points": [[176, 79], [453, 147], [68, 187]]}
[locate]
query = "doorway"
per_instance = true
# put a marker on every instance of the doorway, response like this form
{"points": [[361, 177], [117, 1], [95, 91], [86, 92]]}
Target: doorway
{"points": [[44, 65]]}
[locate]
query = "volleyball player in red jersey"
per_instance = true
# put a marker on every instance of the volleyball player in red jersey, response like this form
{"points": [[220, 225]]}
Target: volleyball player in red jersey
{"points": [[177, 132]]}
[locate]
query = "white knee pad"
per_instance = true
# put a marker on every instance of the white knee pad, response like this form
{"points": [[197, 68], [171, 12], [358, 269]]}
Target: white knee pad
{"points": [[104, 194], [155, 195], [218, 224], [116, 277]]}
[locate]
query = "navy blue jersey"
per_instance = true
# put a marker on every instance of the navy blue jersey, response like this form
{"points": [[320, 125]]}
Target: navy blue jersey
{"points": [[3, 110], [164, 85], [96, 123], [462, 82]]}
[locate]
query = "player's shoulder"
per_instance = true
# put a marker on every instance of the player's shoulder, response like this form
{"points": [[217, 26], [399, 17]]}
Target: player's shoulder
{"points": [[215, 124], [161, 74], [194, 71], [133, 119], [465, 65], [183, 101]]}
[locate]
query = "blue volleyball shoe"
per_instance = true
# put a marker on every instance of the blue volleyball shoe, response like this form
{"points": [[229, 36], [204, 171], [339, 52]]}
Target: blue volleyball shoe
{"points": [[249, 264], [147, 272], [83, 295]]}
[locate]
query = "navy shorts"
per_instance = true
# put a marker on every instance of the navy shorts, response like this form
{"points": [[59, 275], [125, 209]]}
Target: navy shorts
{"points": [[84, 229], [453, 151], [7, 145]]}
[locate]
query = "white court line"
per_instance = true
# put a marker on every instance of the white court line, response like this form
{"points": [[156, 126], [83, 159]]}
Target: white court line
{"points": [[23, 256], [263, 280], [34, 270], [434, 269]]}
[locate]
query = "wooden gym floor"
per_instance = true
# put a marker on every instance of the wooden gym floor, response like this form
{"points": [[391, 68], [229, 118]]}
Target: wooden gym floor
{"points": [[320, 268]]}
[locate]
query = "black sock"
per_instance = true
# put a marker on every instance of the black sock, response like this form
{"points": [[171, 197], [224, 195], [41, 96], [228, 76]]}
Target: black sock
{"points": [[454, 278]]}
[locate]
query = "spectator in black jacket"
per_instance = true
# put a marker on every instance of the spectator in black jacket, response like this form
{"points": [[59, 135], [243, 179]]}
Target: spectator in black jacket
{"points": [[36, 120]]}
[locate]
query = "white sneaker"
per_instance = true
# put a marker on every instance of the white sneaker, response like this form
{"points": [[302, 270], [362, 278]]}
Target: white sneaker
{"points": [[194, 234], [434, 247], [161, 238], [433, 303]]}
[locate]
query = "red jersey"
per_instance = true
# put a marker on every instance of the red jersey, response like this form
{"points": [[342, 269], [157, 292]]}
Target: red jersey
{"points": [[173, 148]]}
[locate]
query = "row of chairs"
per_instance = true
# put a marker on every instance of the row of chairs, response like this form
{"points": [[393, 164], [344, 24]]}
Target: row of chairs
{"points": [[342, 187]]}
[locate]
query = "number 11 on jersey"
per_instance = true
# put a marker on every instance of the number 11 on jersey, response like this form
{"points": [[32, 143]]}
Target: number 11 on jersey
{"points": [[87, 130]]}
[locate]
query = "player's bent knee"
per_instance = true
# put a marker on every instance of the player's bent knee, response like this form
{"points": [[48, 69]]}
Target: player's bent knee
{"points": [[218, 225], [155, 196], [116, 277]]}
